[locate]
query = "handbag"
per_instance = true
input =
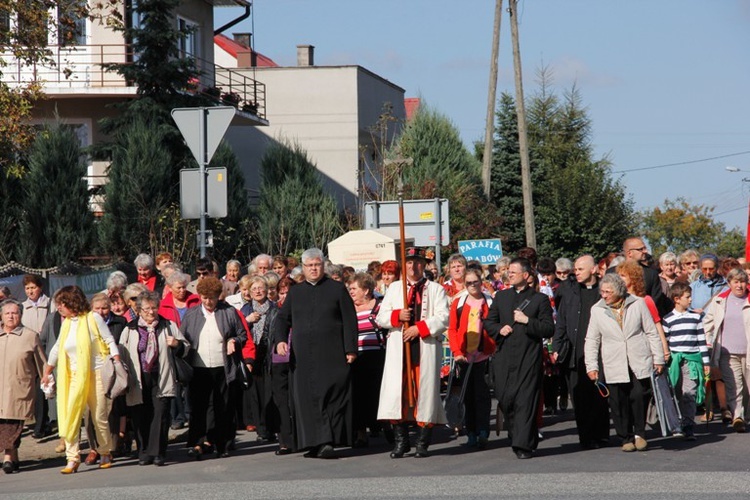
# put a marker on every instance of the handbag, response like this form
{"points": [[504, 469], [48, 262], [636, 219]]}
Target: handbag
{"points": [[454, 403], [183, 371], [245, 377], [115, 378]]}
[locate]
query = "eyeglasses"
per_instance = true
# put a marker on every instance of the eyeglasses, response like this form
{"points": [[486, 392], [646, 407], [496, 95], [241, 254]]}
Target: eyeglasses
{"points": [[562, 273], [313, 265], [692, 263], [148, 309], [473, 283]]}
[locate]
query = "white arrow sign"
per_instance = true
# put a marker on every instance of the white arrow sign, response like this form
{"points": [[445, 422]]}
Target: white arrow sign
{"points": [[203, 129]]}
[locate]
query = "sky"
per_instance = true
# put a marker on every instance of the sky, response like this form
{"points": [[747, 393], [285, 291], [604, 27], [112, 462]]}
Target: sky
{"points": [[665, 82]]}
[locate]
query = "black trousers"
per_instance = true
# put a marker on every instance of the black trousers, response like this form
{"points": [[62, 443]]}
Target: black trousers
{"points": [[628, 402], [283, 403], [152, 418], [209, 388], [41, 411], [477, 400], [255, 401], [367, 374], [590, 408]]}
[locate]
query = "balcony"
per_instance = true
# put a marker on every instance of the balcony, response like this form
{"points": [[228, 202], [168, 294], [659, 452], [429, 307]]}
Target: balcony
{"points": [[78, 71]]}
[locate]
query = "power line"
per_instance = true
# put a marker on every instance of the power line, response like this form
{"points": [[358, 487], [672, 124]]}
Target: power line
{"points": [[680, 163]]}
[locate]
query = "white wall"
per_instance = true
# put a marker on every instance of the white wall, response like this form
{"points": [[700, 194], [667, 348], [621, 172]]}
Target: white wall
{"points": [[327, 110]]}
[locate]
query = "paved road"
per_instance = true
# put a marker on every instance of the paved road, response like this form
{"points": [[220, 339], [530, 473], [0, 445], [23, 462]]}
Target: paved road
{"points": [[716, 464]]}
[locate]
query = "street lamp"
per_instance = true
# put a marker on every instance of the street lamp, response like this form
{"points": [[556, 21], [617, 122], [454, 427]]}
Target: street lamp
{"points": [[747, 234]]}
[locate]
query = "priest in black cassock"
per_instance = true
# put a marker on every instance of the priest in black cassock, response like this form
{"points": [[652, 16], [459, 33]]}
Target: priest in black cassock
{"points": [[518, 320], [323, 322]]}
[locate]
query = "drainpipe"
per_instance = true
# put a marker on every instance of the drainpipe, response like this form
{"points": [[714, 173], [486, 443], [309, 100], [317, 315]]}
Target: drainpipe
{"points": [[248, 5]]}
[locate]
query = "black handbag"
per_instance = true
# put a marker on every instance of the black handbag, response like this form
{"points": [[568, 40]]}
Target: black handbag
{"points": [[183, 371], [245, 377]]}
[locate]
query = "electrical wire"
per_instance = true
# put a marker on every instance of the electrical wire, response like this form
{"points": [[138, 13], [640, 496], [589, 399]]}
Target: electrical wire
{"points": [[680, 163]]}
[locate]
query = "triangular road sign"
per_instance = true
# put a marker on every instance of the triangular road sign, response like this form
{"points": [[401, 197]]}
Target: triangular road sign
{"points": [[191, 122]]}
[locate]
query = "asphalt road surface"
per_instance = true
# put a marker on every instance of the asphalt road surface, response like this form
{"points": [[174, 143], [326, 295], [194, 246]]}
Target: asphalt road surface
{"points": [[714, 466]]}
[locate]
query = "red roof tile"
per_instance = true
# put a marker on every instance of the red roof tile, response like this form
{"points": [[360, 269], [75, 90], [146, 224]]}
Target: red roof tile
{"points": [[233, 48]]}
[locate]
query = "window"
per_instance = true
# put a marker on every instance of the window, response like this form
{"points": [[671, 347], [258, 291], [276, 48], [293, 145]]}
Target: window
{"points": [[189, 44], [71, 22], [4, 26], [32, 24]]}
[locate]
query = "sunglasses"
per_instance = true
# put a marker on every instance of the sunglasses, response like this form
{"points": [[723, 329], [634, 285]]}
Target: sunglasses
{"points": [[473, 283]]}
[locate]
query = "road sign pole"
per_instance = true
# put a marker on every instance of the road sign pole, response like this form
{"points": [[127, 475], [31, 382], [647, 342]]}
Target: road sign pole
{"points": [[203, 183], [438, 235]]}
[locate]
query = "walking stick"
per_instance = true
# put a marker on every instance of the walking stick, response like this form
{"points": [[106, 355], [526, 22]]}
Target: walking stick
{"points": [[411, 389]]}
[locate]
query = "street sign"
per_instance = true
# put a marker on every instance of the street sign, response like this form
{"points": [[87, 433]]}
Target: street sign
{"points": [[190, 189], [425, 220], [191, 122], [485, 251]]}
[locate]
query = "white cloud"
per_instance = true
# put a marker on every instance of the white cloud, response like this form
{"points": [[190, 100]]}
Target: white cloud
{"points": [[568, 69]]}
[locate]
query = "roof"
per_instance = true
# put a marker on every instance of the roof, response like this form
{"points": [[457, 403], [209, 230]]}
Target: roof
{"points": [[233, 48], [411, 104]]}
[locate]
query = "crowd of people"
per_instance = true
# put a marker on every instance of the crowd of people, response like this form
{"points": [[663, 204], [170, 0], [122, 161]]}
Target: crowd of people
{"points": [[313, 356]]}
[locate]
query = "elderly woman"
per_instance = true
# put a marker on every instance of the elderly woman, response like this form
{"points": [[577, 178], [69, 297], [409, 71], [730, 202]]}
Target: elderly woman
{"points": [[21, 362], [147, 274], [668, 275], [259, 313], [263, 263], [457, 272], [145, 348], [367, 371], [727, 327], [690, 261], [132, 291], [215, 331], [622, 334], [273, 285], [178, 299], [82, 347], [280, 382]]}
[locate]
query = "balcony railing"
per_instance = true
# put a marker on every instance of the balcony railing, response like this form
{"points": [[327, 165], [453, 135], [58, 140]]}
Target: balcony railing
{"points": [[82, 67]]}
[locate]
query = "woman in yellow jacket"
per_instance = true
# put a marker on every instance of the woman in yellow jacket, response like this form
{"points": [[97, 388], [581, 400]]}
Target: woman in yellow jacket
{"points": [[81, 349]]}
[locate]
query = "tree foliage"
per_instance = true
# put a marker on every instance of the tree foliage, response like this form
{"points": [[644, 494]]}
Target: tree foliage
{"points": [[57, 225], [678, 225], [579, 207], [140, 211], [442, 168], [294, 212]]}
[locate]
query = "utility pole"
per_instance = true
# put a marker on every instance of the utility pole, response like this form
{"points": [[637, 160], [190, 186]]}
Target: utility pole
{"points": [[528, 202], [489, 130]]}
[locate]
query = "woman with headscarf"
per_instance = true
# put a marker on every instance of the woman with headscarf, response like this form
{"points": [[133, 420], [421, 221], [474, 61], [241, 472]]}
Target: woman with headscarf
{"points": [[79, 354], [259, 314], [145, 347], [21, 362]]}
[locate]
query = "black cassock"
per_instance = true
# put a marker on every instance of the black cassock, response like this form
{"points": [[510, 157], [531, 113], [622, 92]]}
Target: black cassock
{"points": [[323, 322], [518, 361]]}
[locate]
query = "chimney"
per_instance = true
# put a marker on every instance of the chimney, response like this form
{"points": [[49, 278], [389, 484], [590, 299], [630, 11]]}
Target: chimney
{"points": [[305, 55], [243, 38]]}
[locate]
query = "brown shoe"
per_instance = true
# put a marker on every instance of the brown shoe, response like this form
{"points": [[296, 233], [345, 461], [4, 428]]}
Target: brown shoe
{"points": [[738, 425], [640, 443], [92, 458], [628, 447], [726, 416]]}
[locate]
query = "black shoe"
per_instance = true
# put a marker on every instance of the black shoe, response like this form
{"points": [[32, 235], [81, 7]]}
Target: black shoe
{"points": [[282, 451], [388, 434], [159, 461], [146, 461], [423, 441], [523, 454], [38, 435], [326, 452], [177, 426], [401, 440], [222, 454], [8, 467], [312, 452], [195, 452], [361, 443], [16, 466]]}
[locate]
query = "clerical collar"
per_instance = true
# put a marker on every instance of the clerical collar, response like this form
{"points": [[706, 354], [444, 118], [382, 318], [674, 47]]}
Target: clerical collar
{"points": [[313, 283], [521, 290]]}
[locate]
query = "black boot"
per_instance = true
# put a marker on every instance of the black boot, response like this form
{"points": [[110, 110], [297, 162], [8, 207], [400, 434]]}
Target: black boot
{"points": [[401, 440], [423, 441]]}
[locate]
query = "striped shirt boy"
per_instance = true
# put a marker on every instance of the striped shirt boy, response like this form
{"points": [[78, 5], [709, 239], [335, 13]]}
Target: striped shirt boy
{"points": [[684, 332]]}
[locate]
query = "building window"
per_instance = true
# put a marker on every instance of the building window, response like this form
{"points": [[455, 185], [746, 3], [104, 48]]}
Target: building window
{"points": [[4, 26], [71, 22], [32, 24], [189, 43]]}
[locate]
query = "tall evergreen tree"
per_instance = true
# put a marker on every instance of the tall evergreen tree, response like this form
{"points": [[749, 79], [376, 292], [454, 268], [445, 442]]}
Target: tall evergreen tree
{"points": [[505, 188], [57, 225], [139, 193], [294, 212], [578, 206]]}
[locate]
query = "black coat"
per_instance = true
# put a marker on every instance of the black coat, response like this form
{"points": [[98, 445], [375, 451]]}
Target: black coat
{"points": [[324, 329], [568, 341], [517, 364]]}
